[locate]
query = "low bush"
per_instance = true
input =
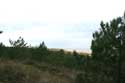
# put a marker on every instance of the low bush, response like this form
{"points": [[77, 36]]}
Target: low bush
{"points": [[11, 72]]}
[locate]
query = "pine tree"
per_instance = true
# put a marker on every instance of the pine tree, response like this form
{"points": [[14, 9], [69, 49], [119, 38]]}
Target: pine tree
{"points": [[106, 42], [18, 43], [108, 46]]}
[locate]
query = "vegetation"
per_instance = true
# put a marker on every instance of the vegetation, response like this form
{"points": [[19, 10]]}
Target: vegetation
{"points": [[108, 47], [21, 63], [18, 43], [20, 51], [11, 72]]}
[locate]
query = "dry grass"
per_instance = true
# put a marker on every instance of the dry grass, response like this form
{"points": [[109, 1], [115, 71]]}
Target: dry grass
{"points": [[18, 72]]}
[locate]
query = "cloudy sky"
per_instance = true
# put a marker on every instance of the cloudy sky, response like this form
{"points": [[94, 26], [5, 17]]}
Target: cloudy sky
{"points": [[67, 24]]}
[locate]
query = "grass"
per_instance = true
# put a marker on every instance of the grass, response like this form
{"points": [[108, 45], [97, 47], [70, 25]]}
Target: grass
{"points": [[14, 71]]}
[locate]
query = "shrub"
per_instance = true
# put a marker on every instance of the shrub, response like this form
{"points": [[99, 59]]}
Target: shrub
{"points": [[11, 72], [79, 78]]}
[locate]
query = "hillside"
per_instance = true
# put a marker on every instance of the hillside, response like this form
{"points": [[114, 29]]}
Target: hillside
{"points": [[23, 64], [12, 71], [39, 65]]}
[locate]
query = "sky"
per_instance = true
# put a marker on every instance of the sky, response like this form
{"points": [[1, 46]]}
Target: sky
{"points": [[66, 24]]}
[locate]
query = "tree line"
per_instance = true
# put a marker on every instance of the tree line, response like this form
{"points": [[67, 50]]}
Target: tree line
{"points": [[20, 50]]}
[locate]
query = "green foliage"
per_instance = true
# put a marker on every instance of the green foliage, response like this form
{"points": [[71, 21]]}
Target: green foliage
{"points": [[79, 78], [108, 46], [19, 51], [43, 46], [18, 43], [79, 58], [2, 47], [106, 42], [40, 52]]}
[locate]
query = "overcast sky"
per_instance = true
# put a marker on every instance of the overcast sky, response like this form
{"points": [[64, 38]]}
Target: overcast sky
{"points": [[59, 23]]}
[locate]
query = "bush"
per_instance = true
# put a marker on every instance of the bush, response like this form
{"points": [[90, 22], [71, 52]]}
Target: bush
{"points": [[79, 78], [11, 72]]}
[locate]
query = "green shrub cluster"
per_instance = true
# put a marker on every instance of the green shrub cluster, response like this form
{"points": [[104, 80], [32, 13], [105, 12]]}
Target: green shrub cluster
{"points": [[41, 54]]}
